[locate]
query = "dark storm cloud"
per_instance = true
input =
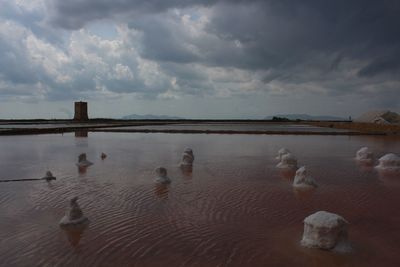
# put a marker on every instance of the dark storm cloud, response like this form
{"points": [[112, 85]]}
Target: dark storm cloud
{"points": [[75, 13], [161, 42], [272, 34], [283, 37], [326, 47], [285, 33]]}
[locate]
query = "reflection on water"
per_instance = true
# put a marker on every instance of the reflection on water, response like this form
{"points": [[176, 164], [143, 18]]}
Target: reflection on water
{"points": [[365, 166], [389, 178], [287, 174], [304, 193], [187, 170], [82, 169], [74, 235], [81, 133], [161, 190], [234, 208]]}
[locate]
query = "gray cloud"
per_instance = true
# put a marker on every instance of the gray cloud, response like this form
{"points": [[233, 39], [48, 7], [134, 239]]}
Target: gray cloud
{"points": [[76, 13]]}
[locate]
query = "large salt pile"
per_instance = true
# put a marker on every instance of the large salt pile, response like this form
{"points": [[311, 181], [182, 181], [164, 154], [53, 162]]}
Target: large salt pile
{"points": [[281, 152], [364, 155], [288, 161], [161, 175], [187, 157], [82, 161], [301, 180], [74, 218], [324, 230], [389, 162], [379, 117]]}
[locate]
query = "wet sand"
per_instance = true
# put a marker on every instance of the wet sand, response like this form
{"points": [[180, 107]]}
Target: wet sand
{"points": [[234, 209]]}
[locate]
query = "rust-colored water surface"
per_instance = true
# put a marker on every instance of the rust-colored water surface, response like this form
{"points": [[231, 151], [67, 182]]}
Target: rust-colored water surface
{"points": [[234, 209]]}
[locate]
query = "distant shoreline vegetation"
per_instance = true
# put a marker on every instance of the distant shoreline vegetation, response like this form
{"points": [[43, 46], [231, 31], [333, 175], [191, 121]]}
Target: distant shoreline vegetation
{"points": [[281, 119]]}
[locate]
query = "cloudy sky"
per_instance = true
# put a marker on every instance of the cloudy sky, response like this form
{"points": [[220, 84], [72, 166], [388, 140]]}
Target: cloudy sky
{"points": [[198, 58]]}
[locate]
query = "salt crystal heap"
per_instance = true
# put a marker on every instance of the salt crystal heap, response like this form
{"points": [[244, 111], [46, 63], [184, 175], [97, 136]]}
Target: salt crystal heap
{"points": [[74, 217], [161, 175], [187, 157], [82, 161], [302, 181], [389, 162], [49, 176], [324, 230], [364, 155], [288, 161], [281, 152]]}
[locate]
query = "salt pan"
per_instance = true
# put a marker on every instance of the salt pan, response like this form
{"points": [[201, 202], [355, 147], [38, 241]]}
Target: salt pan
{"points": [[288, 161], [49, 176], [161, 175], [324, 230], [74, 216], [187, 157], [281, 152], [364, 155], [82, 161], [389, 162], [302, 180]]}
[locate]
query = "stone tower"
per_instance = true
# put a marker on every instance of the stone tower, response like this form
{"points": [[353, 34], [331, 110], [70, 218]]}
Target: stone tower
{"points": [[81, 113]]}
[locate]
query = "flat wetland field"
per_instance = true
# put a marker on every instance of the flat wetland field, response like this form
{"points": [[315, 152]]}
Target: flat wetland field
{"points": [[19, 127], [234, 209]]}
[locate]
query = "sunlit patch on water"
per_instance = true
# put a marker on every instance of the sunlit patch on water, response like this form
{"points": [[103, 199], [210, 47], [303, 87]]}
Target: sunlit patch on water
{"points": [[233, 208]]}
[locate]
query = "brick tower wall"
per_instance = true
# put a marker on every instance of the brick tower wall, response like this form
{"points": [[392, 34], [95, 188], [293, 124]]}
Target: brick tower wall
{"points": [[81, 113]]}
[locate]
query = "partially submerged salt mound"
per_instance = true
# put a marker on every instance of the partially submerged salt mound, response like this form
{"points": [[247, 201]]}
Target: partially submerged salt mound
{"points": [[49, 176], [364, 155], [161, 175], [82, 161], [74, 217], [324, 230], [389, 162], [302, 181], [281, 152], [288, 161], [187, 157]]}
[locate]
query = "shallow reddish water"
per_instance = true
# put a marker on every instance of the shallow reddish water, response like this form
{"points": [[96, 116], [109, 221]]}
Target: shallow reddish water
{"points": [[235, 209]]}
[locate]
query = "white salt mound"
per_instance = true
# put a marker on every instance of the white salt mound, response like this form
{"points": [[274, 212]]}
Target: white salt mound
{"points": [[282, 152], [74, 216], [161, 175], [302, 181], [379, 117], [188, 150], [365, 155], [288, 161], [82, 161], [324, 230], [389, 162], [187, 157]]}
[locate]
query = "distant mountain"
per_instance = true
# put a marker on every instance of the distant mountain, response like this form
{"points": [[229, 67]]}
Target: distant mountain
{"points": [[150, 117], [305, 117]]}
